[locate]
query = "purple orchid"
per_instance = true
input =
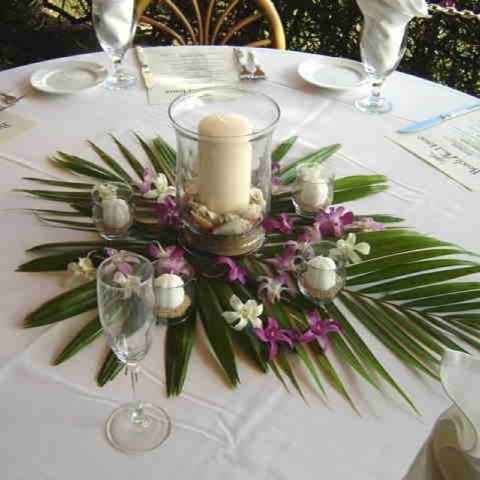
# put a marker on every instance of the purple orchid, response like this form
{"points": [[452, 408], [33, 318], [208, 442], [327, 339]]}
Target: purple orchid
{"points": [[310, 235], [173, 258], [272, 288], [286, 262], [235, 273], [168, 212], [283, 224], [146, 185], [332, 222], [319, 329], [366, 224], [125, 268], [110, 252], [272, 335]]}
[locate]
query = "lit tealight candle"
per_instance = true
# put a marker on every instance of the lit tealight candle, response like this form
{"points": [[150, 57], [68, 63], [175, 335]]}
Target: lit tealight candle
{"points": [[321, 273], [116, 213], [314, 189], [225, 162], [169, 291]]}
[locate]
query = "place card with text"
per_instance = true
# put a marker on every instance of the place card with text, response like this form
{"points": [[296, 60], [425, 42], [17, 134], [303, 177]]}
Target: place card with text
{"points": [[452, 147]]}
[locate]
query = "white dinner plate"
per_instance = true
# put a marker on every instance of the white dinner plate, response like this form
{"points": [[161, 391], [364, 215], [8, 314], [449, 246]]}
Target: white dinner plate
{"points": [[69, 77], [333, 73]]}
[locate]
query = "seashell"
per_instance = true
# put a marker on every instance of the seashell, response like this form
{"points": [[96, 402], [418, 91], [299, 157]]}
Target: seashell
{"points": [[208, 214], [256, 196], [253, 212], [116, 213], [237, 226], [201, 221], [191, 188]]}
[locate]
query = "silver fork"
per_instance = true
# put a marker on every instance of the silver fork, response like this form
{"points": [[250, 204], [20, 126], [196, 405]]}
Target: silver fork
{"points": [[9, 100], [258, 73]]}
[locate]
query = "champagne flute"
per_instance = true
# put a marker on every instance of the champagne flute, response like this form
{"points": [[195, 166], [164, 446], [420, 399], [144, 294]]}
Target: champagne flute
{"points": [[115, 22], [382, 47], [126, 307]]}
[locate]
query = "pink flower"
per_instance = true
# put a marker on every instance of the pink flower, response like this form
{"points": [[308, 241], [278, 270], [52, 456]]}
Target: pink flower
{"points": [[283, 224], [286, 262], [319, 329], [272, 288], [235, 273], [332, 222], [173, 258], [310, 234], [146, 185], [272, 335], [168, 213]]}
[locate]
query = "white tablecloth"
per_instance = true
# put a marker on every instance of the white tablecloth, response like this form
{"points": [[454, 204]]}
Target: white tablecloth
{"points": [[53, 417]]}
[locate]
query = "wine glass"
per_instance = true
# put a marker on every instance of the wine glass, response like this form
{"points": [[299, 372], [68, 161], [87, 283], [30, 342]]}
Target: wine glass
{"points": [[126, 307], [382, 47], [115, 22]]}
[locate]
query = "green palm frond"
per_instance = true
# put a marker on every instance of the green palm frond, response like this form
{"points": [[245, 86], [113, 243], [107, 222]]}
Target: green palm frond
{"points": [[415, 293]]}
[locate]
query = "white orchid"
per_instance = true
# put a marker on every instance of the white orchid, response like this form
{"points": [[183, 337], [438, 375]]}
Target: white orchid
{"points": [[160, 188], [348, 248], [243, 313], [129, 283], [83, 269]]}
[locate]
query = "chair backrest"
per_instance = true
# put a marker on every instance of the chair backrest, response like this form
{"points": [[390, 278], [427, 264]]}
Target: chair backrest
{"points": [[254, 23]]}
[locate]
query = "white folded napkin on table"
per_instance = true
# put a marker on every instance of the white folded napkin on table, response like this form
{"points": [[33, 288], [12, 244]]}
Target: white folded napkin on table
{"points": [[385, 23], [452, 451]]}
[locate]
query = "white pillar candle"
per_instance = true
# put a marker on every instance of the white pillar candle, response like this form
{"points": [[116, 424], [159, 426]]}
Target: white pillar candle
{"points": [[321, 273], [116, 213], [225, 162], [169, 291]]}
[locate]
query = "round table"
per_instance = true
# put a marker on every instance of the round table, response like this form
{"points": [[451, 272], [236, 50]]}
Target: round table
{"points": [[53, 417]]}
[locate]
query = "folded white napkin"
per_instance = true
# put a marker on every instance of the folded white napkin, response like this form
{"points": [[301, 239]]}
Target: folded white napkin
{"points": [[452, 451], [384, 28]]}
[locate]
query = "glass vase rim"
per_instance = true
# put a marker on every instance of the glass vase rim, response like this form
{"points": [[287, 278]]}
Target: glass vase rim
{"points": [[250, 136], [148, 263]]}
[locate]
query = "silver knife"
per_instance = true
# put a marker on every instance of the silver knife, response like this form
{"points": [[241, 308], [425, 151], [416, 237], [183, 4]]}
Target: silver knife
{"points": [[431, 122], [146, 72]]}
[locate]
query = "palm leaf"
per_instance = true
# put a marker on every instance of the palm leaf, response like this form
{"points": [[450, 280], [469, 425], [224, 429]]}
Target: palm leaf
{"points": [[111, 367], [178, 347], [73, 302], [137, 167], [158, 161], [111, 163], [52, 263], [281, 150], [84, 337], [57, 183]]}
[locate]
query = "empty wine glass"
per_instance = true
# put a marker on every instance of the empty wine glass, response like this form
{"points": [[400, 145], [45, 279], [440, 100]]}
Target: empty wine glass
{"points": [[126, 307], [382, 47], [115, 23]]}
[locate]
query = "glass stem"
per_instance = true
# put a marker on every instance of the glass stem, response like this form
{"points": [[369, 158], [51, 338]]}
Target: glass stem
{"points": [[117, 65], [138, 416], [376, 91]]}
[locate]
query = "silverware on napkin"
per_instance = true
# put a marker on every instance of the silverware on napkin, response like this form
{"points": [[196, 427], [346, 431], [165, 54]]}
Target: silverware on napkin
{"points": [[249, 67], [7, 100], [146, 72], [437, 119]]}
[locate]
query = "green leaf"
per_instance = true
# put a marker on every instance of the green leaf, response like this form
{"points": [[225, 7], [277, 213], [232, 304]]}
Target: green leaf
{"points": [[86, 226], [398, 259], [288, 174], [433, 290], [446, 299], [88, 246], [281, 360], [166, 151], [84, 337], [59, 213], [57, 196], [458, 307], [406, 243], [66, 305], [112, 163], [57, 183], [178, 347], [216, 330], [344, 196], [401, 270], [52, 263], [359, 181], [364, 353], [421, 280], [137, 167], [282, 149], [80, 165], [381, 218], [157, 161], [111, 367]]}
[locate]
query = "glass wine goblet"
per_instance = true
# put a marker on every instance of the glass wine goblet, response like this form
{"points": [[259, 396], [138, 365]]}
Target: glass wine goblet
{"points": [[115, 23], [126, 306], [382, 48]]}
